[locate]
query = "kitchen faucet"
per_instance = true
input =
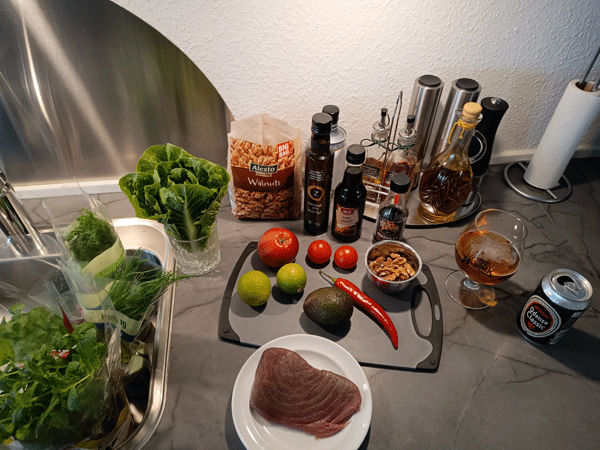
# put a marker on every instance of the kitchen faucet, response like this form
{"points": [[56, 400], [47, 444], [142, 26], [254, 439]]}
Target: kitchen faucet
{"points": [[15, 223]]}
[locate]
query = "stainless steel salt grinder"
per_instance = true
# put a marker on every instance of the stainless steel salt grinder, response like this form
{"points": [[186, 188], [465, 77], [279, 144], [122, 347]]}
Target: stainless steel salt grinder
{"points": [[462, 90], [424, 102]]}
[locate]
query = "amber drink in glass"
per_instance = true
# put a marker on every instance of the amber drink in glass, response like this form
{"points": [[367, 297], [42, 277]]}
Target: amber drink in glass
{"points": [[487, 252]]}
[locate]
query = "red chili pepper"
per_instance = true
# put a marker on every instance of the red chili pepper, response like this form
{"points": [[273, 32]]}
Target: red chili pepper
{"points": [[368, 304], [66, 321]]}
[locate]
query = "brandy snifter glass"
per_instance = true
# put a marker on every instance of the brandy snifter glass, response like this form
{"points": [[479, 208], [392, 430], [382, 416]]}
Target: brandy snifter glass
{"points": [[488, 251]]}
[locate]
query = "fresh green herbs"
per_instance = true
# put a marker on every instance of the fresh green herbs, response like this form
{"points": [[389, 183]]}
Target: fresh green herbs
{"points": [[89, 236], [179, 190], [49, 394], [137, 284]]}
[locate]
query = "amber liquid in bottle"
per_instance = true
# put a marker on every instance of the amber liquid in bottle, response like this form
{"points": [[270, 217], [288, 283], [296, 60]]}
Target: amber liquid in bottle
{"points": [[443, 190], [447, 180]]}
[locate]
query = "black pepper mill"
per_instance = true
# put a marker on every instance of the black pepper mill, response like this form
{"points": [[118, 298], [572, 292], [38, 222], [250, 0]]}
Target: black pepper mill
{"points": [[493, 109]]}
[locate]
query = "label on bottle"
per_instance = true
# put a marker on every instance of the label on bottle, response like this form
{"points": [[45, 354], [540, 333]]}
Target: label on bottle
{"points": [[388, 230], [538, 318], [346, 220], [316, 192]]}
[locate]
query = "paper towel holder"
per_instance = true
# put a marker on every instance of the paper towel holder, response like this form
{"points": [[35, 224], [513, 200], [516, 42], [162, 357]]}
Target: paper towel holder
{"points": [[513, 175], [557, 188]]}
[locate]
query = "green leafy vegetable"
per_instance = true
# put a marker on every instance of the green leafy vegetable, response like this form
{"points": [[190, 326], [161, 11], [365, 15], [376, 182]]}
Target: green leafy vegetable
{"points": [[137, 285], [89, 236], [179, 190], [50, 394]]}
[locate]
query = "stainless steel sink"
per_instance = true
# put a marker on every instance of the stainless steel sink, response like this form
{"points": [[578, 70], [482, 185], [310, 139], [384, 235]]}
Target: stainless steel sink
{"points": [[147, 398]]}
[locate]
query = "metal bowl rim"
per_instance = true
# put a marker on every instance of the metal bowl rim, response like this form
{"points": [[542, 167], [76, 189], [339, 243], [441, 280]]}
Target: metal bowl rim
{"points": [[404, 245]]}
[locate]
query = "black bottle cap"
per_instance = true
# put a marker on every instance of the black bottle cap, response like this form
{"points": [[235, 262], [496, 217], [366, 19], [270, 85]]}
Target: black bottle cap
{"points": [[410, 118], [355, 154], [333, 111], [467, 84], [400, 183], [429, 81], [321, 123]]}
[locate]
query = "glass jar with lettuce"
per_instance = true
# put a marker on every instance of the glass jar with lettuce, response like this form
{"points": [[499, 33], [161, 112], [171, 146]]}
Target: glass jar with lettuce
{"points": [[184, 193]]}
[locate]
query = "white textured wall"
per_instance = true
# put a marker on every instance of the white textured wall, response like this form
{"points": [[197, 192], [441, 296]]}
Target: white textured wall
{"points": [[288, 58]]}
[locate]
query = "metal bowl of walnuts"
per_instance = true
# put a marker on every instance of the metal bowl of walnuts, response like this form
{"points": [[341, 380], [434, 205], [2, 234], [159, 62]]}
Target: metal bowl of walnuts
{"points": [[392, 265]]}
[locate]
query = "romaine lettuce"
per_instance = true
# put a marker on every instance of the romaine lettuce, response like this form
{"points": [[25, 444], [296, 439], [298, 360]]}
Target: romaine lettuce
{"points": [[181, 191]]}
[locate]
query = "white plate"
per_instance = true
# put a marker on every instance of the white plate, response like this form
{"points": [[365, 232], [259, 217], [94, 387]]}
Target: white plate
{"points": [[258, 433]]}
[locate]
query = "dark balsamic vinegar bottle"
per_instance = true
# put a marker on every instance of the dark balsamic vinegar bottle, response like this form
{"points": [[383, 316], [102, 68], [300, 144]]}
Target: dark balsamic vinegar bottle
{"points": [[349, 199], [318, 172]]}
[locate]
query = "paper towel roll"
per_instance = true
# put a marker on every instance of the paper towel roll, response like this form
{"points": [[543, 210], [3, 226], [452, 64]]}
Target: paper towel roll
{"points": [[574, 114]]}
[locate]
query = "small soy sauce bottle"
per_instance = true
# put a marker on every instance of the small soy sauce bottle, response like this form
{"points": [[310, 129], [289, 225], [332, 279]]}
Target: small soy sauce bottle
{"points": [[393, 212], [349, 198]]}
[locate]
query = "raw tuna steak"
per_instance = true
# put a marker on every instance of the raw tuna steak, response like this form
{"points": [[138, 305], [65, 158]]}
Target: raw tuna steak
{"points": [[289, 391]]}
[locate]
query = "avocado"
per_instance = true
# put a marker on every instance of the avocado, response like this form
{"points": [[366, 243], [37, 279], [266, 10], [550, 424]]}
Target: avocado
{"points": [[329, 307]]}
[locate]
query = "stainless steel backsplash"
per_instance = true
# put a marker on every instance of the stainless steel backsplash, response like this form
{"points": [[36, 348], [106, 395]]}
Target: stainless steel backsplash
{"points": [[86, 87]]}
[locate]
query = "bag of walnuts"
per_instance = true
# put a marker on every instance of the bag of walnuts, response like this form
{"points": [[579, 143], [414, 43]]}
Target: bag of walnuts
{"points": [[264, 161]]}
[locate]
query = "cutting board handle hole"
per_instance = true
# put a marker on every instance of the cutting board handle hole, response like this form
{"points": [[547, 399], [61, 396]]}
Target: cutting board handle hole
{"points": [[423, 312]]}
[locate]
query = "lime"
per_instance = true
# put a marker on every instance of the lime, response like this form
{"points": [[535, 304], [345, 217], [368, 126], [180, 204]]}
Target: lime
{"points": [[254, 288], [291, 278]]}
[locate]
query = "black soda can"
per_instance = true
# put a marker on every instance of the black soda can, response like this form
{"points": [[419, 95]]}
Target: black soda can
{"points": [[560, 298]]}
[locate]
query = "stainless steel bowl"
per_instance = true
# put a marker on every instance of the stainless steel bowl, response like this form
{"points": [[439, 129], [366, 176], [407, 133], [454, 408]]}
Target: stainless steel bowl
{"points": [[385, 249]]}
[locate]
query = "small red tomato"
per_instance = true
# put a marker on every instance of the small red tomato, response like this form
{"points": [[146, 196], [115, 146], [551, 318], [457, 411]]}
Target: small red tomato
{"points": [[319, 251], [345, 257]]}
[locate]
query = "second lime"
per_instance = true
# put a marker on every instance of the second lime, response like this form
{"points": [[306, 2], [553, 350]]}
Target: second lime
{"points": [[291, 278]]}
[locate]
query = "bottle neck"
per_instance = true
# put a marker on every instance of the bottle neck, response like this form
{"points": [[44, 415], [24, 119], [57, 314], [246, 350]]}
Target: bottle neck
{"points": [[460, 137], [352, 176], [320, 142], [397, 199]]}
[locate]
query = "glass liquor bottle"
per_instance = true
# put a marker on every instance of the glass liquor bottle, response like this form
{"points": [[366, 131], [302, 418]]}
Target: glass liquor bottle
{"points": [[317, 176], [403, 157], [349, 199], [393, 212], [446, 182]]}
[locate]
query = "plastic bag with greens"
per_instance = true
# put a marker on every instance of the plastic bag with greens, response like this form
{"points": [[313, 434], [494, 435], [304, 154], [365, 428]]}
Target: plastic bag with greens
{"points": [[181, 191], [102, 283], [86, 233], [128, 298], [58, 388]]}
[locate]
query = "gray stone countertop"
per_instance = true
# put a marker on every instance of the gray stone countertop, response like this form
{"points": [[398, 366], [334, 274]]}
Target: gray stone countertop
{"points": [[493, 389]]}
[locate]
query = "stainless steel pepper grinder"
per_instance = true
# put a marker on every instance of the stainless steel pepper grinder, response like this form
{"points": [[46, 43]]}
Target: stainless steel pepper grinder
{"points": [[424, 103]]}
